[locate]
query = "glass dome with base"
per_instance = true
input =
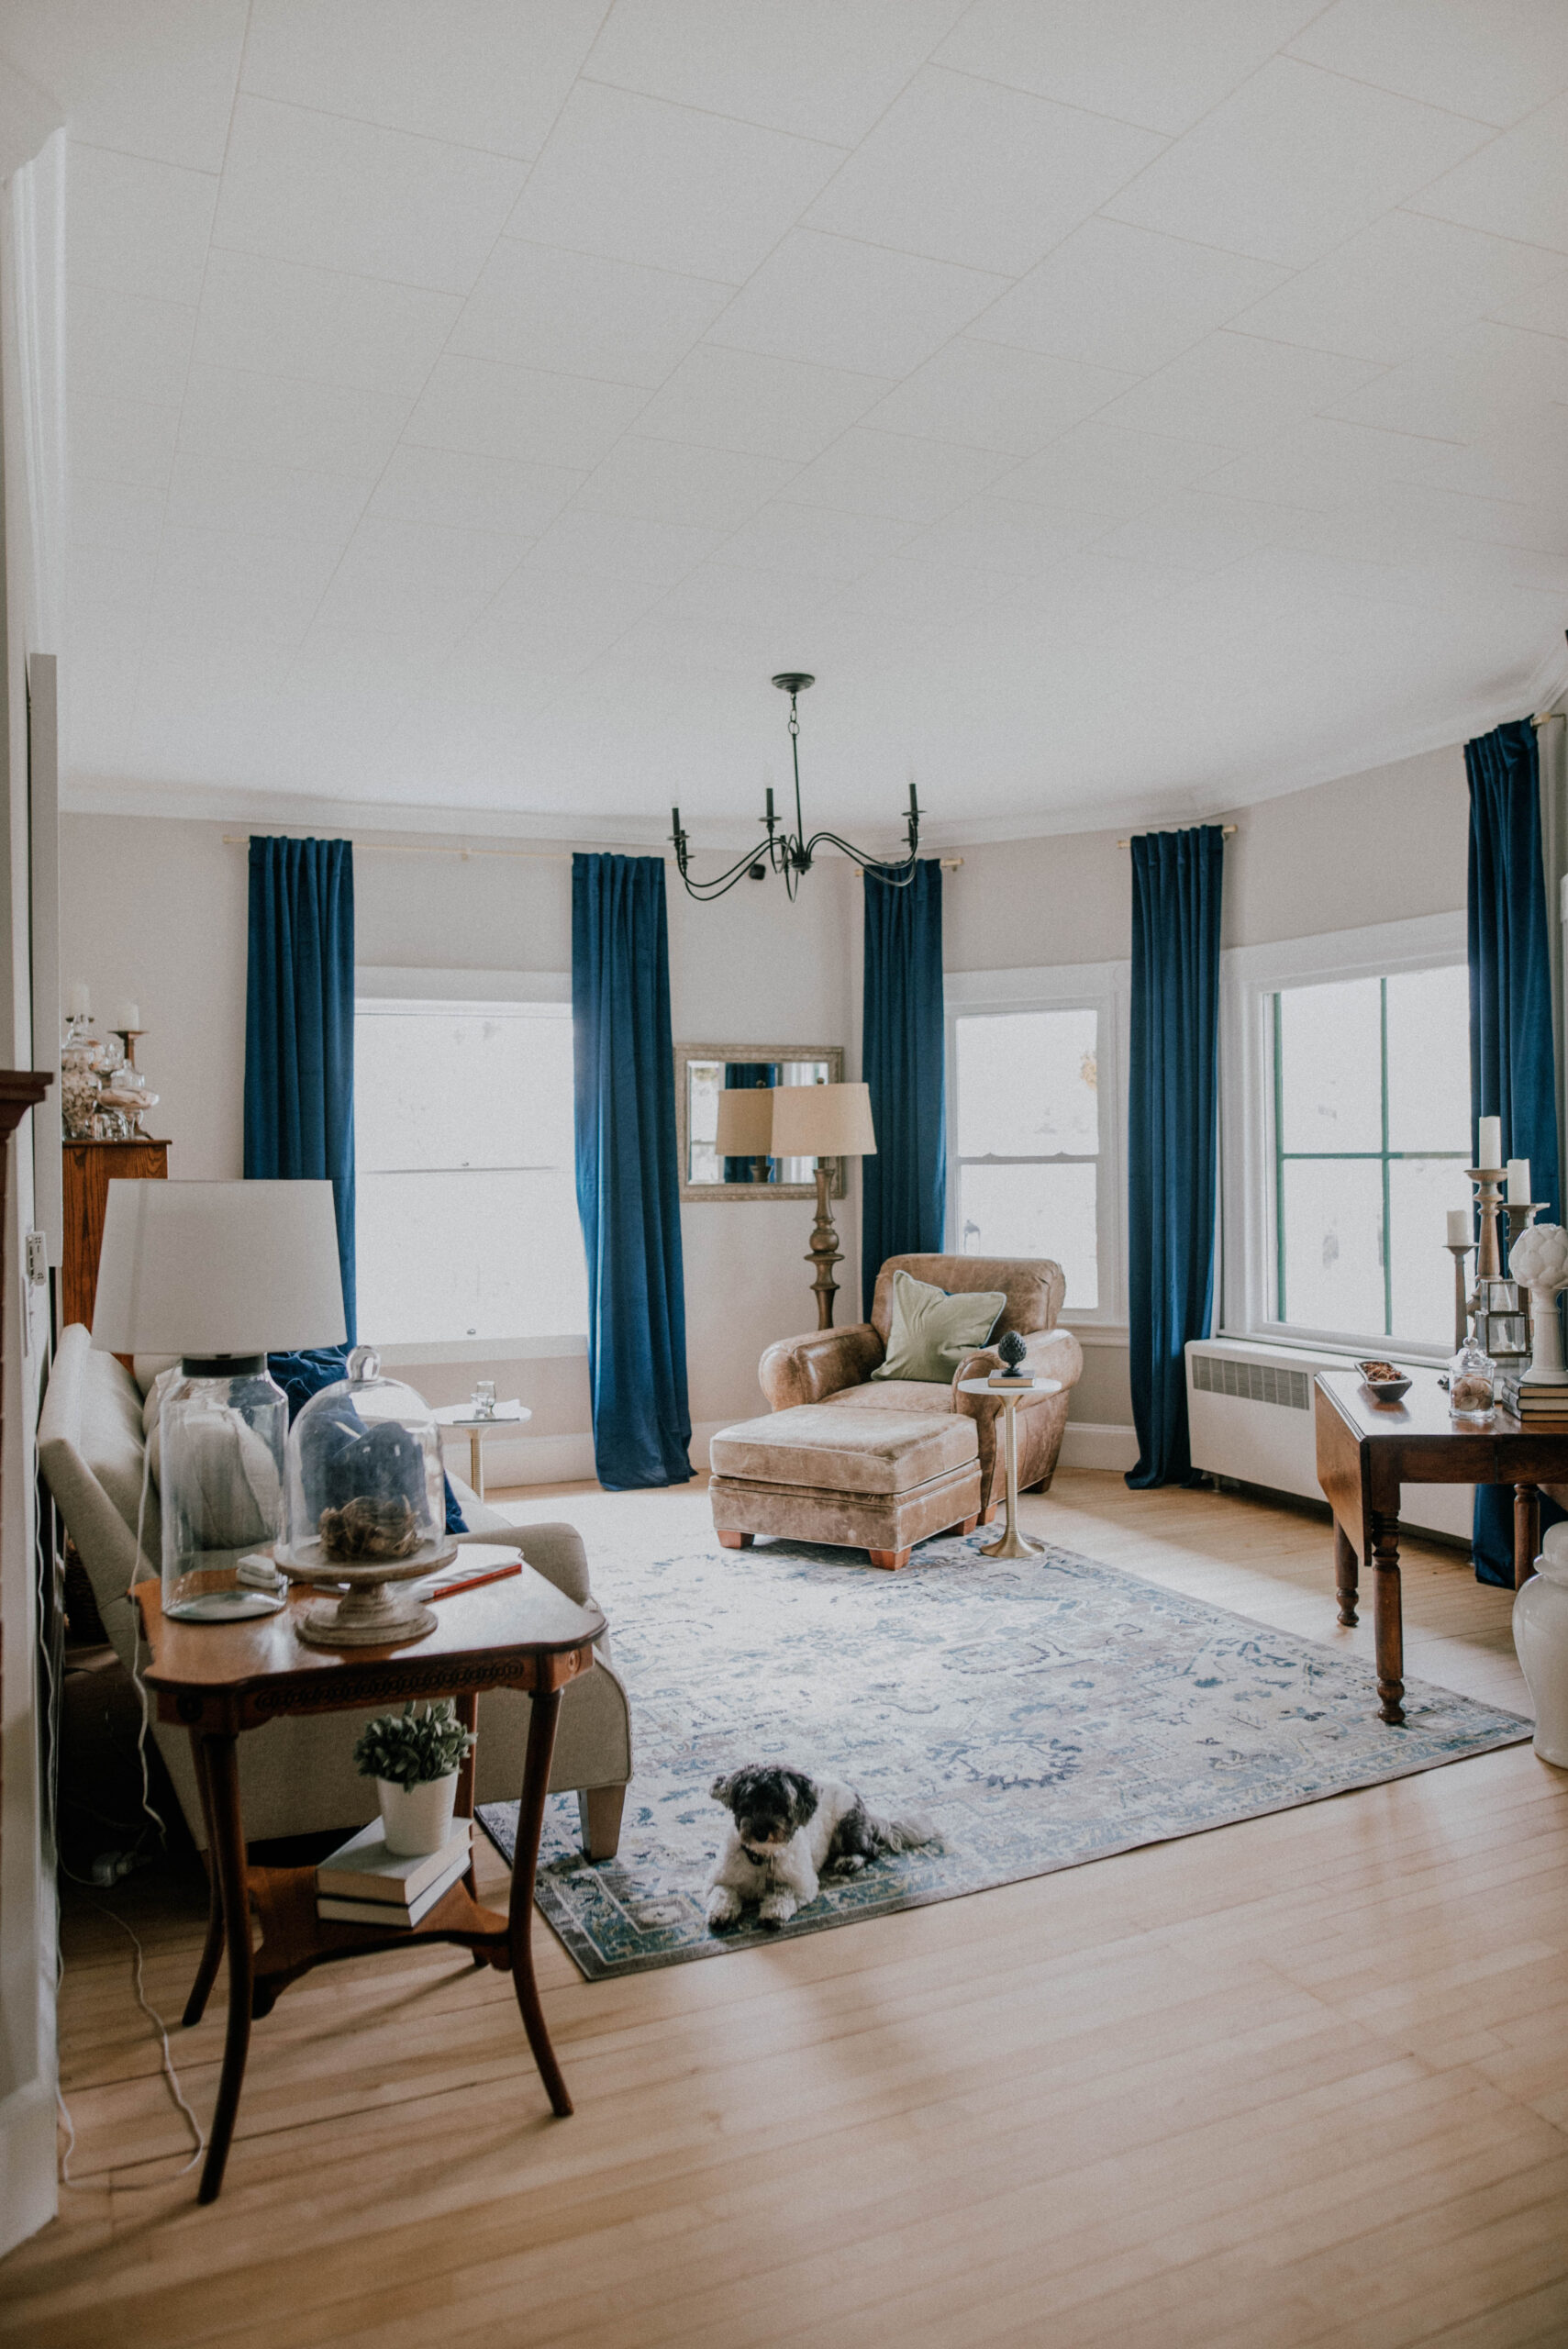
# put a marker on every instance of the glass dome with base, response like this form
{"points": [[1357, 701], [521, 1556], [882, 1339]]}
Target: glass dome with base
{"points": [[221, 1431], [364, 1507]]}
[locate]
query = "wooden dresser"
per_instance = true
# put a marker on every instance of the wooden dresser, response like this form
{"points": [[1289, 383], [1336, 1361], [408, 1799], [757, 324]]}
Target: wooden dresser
{"points": [[90, 1168]]}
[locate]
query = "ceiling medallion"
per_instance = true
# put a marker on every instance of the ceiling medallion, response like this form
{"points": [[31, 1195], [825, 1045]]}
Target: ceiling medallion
{"points": [[791, 853]]}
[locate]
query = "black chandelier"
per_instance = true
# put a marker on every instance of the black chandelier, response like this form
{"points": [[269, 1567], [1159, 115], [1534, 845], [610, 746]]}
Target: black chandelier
{"points": [[791, 853]]}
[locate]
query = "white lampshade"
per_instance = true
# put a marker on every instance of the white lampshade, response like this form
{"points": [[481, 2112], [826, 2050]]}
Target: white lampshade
{"points": [[204, 1269], [746, 1122], [823, 1121]]}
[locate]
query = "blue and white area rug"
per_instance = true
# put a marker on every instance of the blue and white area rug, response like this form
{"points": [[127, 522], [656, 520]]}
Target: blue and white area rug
{"points": [[1047, 1711]]}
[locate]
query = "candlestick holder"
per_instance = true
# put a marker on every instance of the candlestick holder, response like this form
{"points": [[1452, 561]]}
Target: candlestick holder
{"points": [[127, 1037], [1501, 1320], [1459, 1251]]}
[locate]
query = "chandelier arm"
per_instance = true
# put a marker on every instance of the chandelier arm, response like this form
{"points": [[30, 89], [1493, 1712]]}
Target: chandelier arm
{"points": [[896, 872], [720, 882]]}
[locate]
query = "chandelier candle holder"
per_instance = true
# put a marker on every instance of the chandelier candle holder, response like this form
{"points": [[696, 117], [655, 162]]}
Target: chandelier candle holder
{"points": [[791, 853]]}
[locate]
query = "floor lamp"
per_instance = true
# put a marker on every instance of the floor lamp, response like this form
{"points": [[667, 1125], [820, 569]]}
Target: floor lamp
{"points": [[823, 1122]]}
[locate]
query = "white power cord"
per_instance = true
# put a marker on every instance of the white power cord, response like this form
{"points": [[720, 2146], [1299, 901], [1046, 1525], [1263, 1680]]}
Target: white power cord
{"points": [[121, 1864]]}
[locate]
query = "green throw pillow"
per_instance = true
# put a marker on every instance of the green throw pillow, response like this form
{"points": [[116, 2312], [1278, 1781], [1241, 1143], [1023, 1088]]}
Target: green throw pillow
{"points": [[932, 1332]]}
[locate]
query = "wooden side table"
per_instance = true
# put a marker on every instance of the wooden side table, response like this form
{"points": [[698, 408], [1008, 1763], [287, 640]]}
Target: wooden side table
{"points": [[1010, 1542], [218, 1680], [1367, 1450]]}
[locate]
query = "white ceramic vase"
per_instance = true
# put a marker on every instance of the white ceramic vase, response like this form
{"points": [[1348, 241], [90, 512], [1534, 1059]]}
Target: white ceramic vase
{"points": [[419, 1818], [1541, 1636]]}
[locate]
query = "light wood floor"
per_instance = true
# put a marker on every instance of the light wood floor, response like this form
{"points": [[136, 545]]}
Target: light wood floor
{"points": [[1303, 2080]]}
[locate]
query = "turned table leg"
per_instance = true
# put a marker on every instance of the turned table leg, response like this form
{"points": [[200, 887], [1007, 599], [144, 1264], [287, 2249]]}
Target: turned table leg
{"points": [[1346, 1570], [228, 1847], [542, 1711], [1526, 1531], [212, 1948], [1387, 1617]]}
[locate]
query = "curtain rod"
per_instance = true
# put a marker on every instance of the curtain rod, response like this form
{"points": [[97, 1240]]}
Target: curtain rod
{"points": [[1224, 832], [441, 848], [1545, 717]]}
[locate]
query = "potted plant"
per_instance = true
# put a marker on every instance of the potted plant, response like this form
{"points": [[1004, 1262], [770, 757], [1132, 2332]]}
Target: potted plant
{"points": [[413, 1756]]}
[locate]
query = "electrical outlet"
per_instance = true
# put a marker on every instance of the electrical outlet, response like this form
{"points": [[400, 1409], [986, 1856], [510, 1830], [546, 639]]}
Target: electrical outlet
{"points": [[38, 1259]]}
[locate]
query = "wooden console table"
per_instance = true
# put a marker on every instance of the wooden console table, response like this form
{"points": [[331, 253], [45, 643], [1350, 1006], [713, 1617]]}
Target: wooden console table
{"points": [[218, 1680], [1367, 1450]]}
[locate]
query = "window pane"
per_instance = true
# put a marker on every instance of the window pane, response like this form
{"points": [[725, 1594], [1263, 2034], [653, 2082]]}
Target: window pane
{"points": [[459, 1088], [1028, 1085], [1421, 1191], [1035, 1211], [1331, 1226], [484, 1254], [1429, 1061], [1331, 1067]]}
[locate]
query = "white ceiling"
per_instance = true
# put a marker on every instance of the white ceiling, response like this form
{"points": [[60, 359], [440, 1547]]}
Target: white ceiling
{"points": [[1119, 403]]}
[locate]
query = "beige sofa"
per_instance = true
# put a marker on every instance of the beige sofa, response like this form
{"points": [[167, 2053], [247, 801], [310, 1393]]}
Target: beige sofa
{"points": [[297, 1775], [836, 1366]]}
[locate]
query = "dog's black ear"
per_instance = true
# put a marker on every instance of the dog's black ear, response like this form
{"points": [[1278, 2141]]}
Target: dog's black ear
{"points": [[802, 1797], [723, 1789]]}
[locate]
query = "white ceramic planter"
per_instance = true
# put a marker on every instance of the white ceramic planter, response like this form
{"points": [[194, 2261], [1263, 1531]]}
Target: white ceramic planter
{"points": [[1541, 1636], [418, 1818]]}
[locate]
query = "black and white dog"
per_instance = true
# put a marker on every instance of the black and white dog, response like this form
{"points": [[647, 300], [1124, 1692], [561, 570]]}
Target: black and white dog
{"points": [[787, 1831]]}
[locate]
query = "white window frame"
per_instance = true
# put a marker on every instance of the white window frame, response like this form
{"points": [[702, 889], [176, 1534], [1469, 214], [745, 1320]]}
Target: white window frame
{"points": [[1249, 976], [1105, 988], [384, 989]]}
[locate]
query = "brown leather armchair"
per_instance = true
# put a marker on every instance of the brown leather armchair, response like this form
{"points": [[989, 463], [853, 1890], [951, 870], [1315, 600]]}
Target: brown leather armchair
{"points": [[837, 1364]]}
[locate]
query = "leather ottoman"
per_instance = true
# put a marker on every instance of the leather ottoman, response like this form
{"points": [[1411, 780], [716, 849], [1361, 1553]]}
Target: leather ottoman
{"points": [[878, 1481]]}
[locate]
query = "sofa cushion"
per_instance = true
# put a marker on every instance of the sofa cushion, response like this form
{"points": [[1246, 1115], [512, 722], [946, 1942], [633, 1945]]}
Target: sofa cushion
{"points": [[844, 1450], [897, 1395], [932, 1332]]}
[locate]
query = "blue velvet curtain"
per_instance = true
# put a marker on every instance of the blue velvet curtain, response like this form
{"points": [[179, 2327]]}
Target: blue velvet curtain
{"points": [[743, 1076], [1513, 1070], [903, 1049], [1173, 1132], [627, 1171], [299, 1025]]}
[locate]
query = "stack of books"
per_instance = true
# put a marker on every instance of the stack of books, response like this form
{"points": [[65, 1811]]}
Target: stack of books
{"points": [[361, 1883], [1536, 1402]]}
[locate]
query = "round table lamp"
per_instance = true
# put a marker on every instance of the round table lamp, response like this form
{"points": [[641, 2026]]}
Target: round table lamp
{"points": [[221, 1275]]}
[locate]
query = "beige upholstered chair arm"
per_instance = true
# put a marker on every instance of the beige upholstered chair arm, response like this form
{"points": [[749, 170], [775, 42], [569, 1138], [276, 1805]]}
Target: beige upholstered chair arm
{"points": [[809, 1369]]}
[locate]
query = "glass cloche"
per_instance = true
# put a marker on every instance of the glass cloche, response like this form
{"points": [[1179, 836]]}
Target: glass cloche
{"points": [[362, 1481]]}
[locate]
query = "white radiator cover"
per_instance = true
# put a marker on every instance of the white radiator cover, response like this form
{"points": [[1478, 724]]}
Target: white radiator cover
{"points": [[1250, 1410]]}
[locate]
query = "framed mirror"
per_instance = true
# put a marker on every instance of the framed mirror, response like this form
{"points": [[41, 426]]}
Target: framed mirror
{"points": [[705, 1075]]}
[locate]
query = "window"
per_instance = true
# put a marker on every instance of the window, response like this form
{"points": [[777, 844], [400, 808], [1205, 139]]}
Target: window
{"points": [[1032, 1120], [1371, 1128], [467, 1205]]}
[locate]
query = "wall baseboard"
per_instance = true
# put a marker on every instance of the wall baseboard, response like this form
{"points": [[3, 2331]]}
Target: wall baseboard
{"points": [[557, 1459], [1098, 1443]]}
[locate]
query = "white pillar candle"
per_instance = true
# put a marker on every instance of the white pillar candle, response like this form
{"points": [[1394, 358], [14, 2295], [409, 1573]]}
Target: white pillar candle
{"points": [[1458, 1226], [78, 1005], [1490, 1152], [1518, 1182], [129, 1015]]}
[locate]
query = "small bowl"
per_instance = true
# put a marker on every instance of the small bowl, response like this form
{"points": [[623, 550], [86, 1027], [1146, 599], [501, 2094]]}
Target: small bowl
{"points": [[1387, 1390]]}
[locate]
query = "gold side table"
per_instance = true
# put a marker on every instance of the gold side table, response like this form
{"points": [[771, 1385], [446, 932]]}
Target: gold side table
{"points": [[1012, 1543], [506, 1418]]}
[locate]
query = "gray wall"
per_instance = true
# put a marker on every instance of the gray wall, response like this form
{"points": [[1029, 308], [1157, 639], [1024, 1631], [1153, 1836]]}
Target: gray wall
{"points": [[155, 909], [1380, 846]]}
